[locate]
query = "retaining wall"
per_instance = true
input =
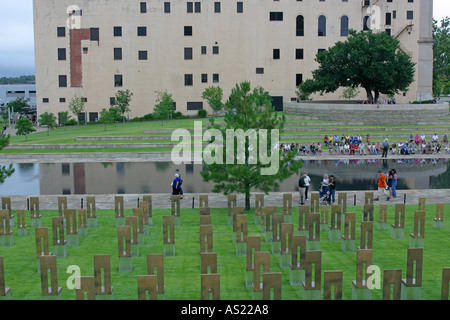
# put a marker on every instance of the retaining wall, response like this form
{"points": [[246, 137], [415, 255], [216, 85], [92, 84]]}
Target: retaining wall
{"points": [[380, 114]]}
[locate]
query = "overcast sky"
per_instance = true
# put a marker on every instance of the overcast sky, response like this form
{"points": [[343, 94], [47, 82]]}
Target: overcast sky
{"points": [[17, 38]]}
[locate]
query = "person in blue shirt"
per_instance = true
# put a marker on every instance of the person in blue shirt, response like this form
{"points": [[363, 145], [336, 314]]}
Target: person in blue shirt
{"points": [[176, 186], [181, 183]]}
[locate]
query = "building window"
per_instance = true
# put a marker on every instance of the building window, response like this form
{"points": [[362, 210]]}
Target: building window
{"points": [[300, 26], [322, 26], [95, 34], [240, 7], [215, 78], [409, 15], [188, 79], [198, 7], [61, 54], [215, 50], [63, 81], [188, 30], [204, 78], [366, 21], [142, 31], [194, 105], [117, 53], [117, 31], [61, 32], [299, 54], [143, 7], [62, 100], [217, 7], [298, 79], [118, 80], [259, 70], [276, 16], [45, 100], [187, 53], [276, 54], [388, 18], [142, 55], [203, 49], [166, 7], [344, 26], [112, 101], [189, 7]]}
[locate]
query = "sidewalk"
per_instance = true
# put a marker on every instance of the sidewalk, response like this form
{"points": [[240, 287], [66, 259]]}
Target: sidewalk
{"points": [[162, 201]]}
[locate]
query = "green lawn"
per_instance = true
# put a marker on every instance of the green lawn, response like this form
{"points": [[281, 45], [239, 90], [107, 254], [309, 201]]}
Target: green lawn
{"points": [[182, 272]]}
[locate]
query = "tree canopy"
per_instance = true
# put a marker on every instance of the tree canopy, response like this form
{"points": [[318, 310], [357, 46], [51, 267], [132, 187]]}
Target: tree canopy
{"points": [[366, 59], [248, 115], [441, 65]]}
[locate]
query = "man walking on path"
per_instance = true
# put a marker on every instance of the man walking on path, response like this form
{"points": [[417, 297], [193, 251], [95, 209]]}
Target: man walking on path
{"points": [[382, 186], [385, 148]]}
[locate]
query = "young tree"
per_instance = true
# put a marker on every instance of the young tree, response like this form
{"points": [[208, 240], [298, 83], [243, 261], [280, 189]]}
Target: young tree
{"points": [[123, 100], [76, 106], [5, 172], [107, 116], [248, 111], [49, 120], [366, 59], [164, 105], [24, 127], [213, 95], [63, 118], [350, 92]]}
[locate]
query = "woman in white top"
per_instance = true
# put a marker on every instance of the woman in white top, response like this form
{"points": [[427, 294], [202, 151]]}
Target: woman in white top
{"points": [[307, 183], [324, 185]]}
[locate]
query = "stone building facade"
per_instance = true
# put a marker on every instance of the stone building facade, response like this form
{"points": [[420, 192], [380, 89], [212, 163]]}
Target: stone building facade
{"points": [[95, 48]]}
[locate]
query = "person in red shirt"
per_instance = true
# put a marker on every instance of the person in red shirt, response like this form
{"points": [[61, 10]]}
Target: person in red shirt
{"points": [[382, 186]]}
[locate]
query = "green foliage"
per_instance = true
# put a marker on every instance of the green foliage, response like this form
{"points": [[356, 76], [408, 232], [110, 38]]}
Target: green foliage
{"points": [[350, 92], [63, 118], [108, 116], [76, 106], [122, 102], [202, 113], [24, 127], [17, 80], [441, 65], [5, 171], [369, 60], [19, 105], [49, 120], [164, 105], [248, 110], [214, 97]]}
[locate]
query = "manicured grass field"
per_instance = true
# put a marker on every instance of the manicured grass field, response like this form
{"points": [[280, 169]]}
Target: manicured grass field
{"points": [[182, 272]]}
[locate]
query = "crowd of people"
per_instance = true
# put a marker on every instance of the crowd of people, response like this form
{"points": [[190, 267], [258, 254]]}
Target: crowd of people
{"points": [[327, 189], [356, 145]]}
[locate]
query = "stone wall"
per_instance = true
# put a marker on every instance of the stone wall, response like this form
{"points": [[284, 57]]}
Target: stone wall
{"points": [[382, 114]]}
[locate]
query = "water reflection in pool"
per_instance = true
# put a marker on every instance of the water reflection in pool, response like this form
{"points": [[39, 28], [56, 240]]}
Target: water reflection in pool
{"points": [[155, 177]]}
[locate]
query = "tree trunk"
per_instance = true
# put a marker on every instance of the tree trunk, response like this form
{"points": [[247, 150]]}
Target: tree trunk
{"points": [[247, 199], [369, 95]]}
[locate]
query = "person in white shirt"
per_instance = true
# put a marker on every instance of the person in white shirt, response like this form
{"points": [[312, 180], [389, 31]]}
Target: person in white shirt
{"points": [[435, 137], [308, 183]]}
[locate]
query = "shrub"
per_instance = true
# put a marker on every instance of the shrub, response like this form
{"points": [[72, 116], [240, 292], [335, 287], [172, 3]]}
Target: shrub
{"points": [[202, 113]]}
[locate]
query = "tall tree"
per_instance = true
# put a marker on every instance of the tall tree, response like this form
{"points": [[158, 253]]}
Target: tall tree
{"points": [[76, 106], [24, 127], [19, 105], [250, 137], [122, 101], [441, 65], [213, 95], [366, 59]]}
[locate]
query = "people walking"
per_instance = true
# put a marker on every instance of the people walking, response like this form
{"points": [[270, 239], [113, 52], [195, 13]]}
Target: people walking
{"points": [[382, 186], [332, 187], [308, 183]]}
